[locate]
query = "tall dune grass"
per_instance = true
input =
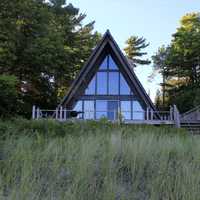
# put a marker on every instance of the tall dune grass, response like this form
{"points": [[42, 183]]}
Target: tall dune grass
{"points": [[90, 161]]}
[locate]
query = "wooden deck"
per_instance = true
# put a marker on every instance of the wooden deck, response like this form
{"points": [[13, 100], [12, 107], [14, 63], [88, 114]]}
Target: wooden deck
{"points": [[188, 120], [171, 117]]}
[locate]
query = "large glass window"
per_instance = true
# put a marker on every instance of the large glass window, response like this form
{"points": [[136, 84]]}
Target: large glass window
{"points": [[124, 87], [113, 83], [126, 109], [88, 109], [101, 109], [109, 81], [91, 87], [101, 83], [138, 112], [112, 64]]}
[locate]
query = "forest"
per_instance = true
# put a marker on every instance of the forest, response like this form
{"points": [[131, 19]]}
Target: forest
{"points": [[43, 45]]}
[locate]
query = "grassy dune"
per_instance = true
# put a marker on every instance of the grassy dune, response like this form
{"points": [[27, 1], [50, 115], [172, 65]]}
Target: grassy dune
{"points": [[88, 161]]}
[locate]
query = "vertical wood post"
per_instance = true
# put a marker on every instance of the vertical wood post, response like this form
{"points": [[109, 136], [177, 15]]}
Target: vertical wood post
{"points": [[176, 117], [56, 113], [33, 112], [118, 115], [151, 114], [65, 113], [171, 113], [61, 112], [38, 113], [147, 113]]}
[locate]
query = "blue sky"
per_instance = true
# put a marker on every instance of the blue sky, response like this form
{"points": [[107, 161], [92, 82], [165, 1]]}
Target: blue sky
{"points": [[156, 20]]}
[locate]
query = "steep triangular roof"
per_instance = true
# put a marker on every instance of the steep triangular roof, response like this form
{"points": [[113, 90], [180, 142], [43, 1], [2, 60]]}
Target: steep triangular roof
{"points": [[107, 40]]}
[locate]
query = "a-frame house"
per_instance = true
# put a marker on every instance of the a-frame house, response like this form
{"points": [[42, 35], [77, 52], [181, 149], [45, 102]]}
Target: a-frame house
{"points": [[107, 86]]}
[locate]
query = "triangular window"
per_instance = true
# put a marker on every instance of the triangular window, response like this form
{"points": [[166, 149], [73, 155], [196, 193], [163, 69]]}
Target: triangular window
{"points": [[124, 87], [112, 65], [108, 81], [104, 64], [137, 111], [91, 87]]}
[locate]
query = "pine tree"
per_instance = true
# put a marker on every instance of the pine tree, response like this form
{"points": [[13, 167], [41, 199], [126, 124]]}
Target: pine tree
{"points": [[134, 48], [43, 44], [179, 64]]}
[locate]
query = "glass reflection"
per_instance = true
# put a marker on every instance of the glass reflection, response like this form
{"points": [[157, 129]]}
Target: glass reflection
{"points": [[104, 64], [101, 83], [138, 111], [78, 107], [124, 87], [91, 87], [113, 83], [101, 109], [88, 109], [112, 64], [126, 109], [112, 110]]}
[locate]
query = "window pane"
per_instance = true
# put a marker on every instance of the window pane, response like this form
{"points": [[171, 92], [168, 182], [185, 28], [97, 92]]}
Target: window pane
{"points": [[78, 107], [91, 87], [124, 87], [104, 64], [101, 83], [112, 64], [88, 109], [138, 112], [113, 83], [112, 110], [101, 109], [126, 109]]}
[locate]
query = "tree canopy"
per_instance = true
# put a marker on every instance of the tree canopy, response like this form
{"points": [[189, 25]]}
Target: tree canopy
{"points": [[179, 64], [43, 45], [133, 50]]}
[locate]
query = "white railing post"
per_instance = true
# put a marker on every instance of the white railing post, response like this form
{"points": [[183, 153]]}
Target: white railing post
{"points": [[176, 117], [65, 112], [56, 113], [171, 113], [147, 113], [151, 114], [61, 113], [38, 113], [33, 112]]}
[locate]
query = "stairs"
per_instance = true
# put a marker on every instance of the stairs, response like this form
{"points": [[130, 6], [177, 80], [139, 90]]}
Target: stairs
{"points": [[192, 126]]}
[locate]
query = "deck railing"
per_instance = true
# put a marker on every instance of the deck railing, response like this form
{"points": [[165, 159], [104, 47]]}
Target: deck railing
{"points": [[149, 116]]}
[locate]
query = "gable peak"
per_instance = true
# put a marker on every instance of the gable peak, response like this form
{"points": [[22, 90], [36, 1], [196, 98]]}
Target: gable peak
{"points": [[107, 33]]}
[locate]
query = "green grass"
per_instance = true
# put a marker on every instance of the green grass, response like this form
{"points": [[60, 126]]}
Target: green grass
{"points": [[89, 161]]}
